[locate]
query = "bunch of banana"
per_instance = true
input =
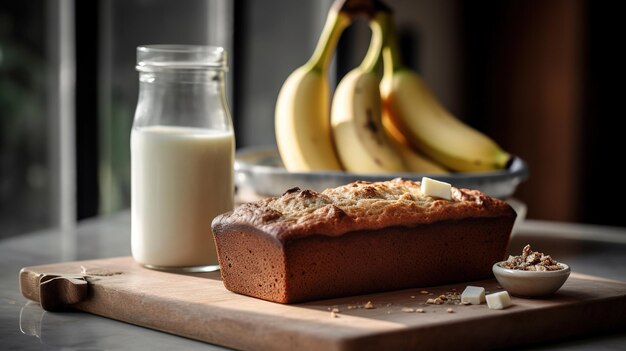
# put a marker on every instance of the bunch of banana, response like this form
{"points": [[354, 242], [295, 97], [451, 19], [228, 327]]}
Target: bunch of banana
{"points": [[396, 125], [416, 118]]}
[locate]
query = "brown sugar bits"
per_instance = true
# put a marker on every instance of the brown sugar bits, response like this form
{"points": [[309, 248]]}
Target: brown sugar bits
{"points": [[531, 260]]}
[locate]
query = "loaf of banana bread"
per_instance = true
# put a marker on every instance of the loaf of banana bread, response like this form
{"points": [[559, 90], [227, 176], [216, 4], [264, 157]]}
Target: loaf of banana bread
{"points": [[359, 238]]}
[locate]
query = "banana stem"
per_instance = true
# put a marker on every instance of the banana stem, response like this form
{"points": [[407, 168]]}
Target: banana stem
{"points": [[372, 59], [391, 52], [335, 24]]}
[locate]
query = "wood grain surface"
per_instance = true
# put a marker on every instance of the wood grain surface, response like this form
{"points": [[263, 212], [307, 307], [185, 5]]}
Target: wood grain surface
{"points": [[199, 307]]}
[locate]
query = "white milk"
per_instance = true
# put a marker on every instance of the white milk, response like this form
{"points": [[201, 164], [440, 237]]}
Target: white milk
{"points": [[181, 179]]}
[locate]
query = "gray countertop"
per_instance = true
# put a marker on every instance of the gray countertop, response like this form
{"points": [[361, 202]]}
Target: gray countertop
{"points": [[24, 325]]}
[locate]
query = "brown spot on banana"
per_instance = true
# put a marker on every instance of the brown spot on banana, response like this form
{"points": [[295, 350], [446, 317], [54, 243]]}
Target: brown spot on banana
{"points": [[372, 127]]}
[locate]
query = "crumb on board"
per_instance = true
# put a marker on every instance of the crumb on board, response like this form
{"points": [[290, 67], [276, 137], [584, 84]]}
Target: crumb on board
{"points": [[448, 298]]}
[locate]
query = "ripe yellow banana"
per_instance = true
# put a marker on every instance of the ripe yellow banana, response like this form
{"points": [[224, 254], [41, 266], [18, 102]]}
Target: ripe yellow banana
{"points": [[413, 160], [302, 122], [361, 142], [428, 125]]}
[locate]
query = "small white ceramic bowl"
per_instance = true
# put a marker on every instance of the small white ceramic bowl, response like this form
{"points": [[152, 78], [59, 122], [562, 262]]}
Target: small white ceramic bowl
{"points": [[530, 283]]}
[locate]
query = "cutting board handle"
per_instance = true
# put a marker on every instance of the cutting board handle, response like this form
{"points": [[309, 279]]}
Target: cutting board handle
{"points": [[57, 292]]}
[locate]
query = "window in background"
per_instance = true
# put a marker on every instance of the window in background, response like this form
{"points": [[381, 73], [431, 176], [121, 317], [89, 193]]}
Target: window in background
{"points": [[26, 194]]}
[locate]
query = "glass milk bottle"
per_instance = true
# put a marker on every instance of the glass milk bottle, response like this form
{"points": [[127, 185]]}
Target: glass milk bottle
{"points": [[182, 154]]}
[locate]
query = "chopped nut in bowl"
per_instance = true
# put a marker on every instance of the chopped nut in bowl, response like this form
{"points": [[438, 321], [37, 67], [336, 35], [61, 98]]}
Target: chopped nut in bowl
{"points": [[532, 274]]}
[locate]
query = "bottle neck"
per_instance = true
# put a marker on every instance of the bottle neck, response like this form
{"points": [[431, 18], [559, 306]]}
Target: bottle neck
{"points": [[185, 98]]}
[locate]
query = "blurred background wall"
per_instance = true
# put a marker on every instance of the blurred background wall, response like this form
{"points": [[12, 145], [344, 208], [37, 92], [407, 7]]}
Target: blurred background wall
{"points": [[539, 77]]}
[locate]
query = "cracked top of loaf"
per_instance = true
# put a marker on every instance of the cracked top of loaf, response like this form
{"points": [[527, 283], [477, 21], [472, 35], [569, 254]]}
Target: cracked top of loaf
{"points": [[360, 205]]}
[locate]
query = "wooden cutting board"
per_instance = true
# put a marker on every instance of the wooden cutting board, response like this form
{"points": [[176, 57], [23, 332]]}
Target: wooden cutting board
{"points": [[197, 306]]}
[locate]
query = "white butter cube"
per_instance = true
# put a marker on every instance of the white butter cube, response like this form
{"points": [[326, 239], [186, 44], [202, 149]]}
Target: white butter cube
{"points": [[473, 294], [436, 188], [499, 300]]}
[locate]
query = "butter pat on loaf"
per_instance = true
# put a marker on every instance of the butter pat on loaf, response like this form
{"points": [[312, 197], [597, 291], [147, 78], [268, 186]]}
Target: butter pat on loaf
{"points": [[359, 238], [436, 188]]}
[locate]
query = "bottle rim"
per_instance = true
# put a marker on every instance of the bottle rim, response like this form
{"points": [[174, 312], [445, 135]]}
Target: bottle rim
{"points": [[158, 57]]}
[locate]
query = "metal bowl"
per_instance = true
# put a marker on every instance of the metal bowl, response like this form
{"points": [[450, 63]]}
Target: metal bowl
{"points": [[260, 170]]}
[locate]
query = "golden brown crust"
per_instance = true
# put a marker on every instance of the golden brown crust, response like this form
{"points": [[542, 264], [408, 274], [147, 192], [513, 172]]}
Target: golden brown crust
{"points": [[359, 206]]}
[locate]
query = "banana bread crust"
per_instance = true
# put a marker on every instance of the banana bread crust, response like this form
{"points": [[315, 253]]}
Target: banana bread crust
{"points": [[359, 205], [359, 238]]}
